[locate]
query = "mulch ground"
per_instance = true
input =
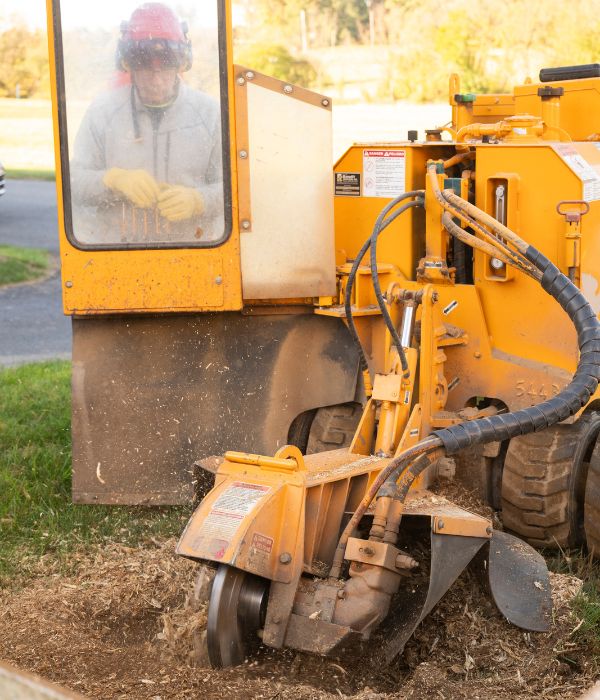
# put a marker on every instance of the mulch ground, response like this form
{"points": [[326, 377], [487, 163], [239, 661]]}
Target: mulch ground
{"points": [[124, 623]]}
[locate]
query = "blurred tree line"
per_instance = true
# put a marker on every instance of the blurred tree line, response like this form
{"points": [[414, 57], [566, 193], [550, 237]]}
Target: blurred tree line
{"points": [[23, 62], [491, 45], [418, 43]]}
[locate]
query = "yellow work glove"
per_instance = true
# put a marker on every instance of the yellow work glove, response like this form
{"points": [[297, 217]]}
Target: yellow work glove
{"points": [[138, 186], [177, 203]]}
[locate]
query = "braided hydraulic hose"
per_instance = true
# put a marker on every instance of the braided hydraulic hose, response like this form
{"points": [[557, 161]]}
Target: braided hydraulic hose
{"points": [[570, 400], [464, 211]]}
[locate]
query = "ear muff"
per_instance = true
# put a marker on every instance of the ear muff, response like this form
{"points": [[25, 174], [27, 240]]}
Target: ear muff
{"points": [[122, 47], [186, 46]]}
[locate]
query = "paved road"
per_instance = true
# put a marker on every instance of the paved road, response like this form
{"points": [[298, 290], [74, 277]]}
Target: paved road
{"points": [[32, 324]]}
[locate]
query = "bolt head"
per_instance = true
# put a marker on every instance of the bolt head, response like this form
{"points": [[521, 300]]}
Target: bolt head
{"points": [[245, 224], [325, 102], [218, 279], [288, 89], [249, 75], [68, 284], [285, 558], [243, 154], [241, 80]]}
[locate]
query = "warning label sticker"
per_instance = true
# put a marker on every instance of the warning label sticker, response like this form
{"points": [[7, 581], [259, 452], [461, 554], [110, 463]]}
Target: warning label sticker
{"points": [[226, 515], [347, 184], [239, 499], [384, 173], [262, 542], [589, 176]]}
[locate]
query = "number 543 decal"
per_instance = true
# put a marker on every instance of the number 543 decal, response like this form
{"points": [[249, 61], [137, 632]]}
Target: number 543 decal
{"points": [[535, 391]]}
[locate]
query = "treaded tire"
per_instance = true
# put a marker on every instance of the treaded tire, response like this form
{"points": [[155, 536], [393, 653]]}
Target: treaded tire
{"points": [[543, 483], [333, 427], [592, 504], [300, 429]]}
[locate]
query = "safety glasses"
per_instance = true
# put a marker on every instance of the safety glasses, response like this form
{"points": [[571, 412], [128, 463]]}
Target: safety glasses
{"points": [[156, 54]]}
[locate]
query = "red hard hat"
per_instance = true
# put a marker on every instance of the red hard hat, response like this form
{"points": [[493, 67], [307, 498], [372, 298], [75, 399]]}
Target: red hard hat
{"points": [[153, 20], [154, 36]]}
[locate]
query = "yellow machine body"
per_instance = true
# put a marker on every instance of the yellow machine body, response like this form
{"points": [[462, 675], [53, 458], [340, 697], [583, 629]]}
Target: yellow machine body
{"points": [[517, 342], [479, 341]]}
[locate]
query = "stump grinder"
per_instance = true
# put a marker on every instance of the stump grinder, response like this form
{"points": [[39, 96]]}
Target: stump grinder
{"points": [[426, 311], [326, 551]]}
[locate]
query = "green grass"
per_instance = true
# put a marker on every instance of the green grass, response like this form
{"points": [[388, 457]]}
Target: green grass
{"points": [[586, 604], [22, 264], [587, 607], [29, 174], [36, 514]]}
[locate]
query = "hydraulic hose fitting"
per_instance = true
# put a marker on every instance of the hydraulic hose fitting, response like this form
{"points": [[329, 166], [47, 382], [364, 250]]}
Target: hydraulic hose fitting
{"points": [[521, 127]]}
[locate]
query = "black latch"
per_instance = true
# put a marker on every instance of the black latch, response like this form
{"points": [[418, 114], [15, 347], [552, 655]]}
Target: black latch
{"points": [[549, 91]]}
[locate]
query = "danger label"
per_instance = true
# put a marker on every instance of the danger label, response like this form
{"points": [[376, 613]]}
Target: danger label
{"points": [[226, 515], [588, 175], [262, 543], [384, 173]]}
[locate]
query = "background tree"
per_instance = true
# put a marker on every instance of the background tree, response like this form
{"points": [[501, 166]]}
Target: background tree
{"points": [[23, 63]]}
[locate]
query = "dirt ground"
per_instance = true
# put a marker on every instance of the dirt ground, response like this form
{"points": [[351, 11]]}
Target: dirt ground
{"points": [[124, 624]]}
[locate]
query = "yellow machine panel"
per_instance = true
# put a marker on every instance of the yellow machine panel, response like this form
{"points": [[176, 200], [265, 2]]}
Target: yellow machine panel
{"points": [[378, 172], [579, 105]]}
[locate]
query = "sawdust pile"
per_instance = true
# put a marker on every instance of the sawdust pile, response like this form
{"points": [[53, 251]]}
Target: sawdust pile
{"points": [[126, 624]]}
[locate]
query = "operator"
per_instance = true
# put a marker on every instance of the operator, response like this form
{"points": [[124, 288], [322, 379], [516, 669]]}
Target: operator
{"points": [[147, 162]]}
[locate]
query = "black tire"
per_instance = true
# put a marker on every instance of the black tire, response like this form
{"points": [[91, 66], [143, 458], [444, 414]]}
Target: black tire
{"points": [[300, 430], [333, 427], [327, 428], [543, 483], [591, 517]]}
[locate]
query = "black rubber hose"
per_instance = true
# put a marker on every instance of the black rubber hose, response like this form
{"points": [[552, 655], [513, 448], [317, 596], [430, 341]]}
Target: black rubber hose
{"points": [[380, 224], [569, 401]]}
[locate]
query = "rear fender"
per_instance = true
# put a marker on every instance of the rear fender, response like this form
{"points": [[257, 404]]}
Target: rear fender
{"points": [[151, 395]]}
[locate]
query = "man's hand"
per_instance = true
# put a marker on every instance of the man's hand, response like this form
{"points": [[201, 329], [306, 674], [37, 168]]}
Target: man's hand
{"points": [[177, 203], [138, 186]]}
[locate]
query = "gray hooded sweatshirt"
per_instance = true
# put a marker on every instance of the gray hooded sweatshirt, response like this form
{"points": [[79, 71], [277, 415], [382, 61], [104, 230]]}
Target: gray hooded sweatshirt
{"points": [[181, 146]]}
